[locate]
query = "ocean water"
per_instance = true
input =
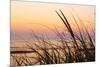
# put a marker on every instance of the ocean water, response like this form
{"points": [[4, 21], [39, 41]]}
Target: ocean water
{"points": [[18, 46]]}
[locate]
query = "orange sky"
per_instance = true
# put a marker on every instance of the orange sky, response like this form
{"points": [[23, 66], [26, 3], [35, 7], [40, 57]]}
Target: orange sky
{"points": [[26, 16]]}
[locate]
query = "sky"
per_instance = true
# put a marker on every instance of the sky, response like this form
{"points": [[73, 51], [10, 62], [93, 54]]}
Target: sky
{"points": [[42, 18]]}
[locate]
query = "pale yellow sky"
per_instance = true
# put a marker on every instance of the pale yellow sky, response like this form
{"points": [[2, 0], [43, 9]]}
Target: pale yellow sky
{"points": [[27, 15]]}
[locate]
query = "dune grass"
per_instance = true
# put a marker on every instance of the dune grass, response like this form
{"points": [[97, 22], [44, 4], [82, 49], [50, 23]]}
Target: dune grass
{"points": [[82, 47]]}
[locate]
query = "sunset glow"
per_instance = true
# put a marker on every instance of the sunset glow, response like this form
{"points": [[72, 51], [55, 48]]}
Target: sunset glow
{"points": [[26, 16]]}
